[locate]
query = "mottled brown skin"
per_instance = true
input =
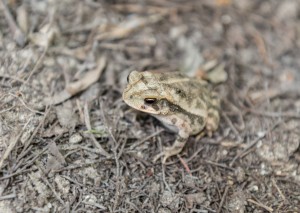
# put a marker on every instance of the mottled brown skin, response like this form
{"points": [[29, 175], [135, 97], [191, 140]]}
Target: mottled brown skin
{"points": [[184, 105]]}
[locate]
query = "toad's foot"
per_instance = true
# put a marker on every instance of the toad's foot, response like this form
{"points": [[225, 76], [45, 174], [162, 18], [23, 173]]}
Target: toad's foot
{"points": [[175, 149]]}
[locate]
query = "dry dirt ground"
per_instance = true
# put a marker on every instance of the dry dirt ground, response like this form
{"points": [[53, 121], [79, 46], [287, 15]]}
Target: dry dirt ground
{"points": [[68, 143]]}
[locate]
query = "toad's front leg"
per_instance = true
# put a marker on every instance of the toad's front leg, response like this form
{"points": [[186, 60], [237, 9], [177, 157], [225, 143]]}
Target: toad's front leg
{"points": [[176, 148]]}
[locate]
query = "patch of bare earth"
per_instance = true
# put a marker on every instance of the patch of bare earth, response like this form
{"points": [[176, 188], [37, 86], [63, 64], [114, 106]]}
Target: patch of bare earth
{"points": [[68, 143]]}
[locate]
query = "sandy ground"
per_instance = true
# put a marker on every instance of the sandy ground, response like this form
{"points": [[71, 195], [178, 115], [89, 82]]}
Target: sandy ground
{"points": [[68, 143]]}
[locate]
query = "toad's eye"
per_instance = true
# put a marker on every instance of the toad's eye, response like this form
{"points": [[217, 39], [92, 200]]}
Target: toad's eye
{"points": [[178, 91], [150, 100]]}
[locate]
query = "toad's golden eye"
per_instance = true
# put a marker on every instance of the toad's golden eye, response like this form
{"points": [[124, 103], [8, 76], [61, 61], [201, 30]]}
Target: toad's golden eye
{"points": [[150, 100]]}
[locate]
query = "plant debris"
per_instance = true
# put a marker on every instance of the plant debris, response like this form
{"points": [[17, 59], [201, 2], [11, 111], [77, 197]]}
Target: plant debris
{"points": [[68, 143]]}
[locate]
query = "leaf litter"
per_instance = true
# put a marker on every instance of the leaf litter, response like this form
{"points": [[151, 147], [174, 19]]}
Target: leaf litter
{"points": [[63, 66]]}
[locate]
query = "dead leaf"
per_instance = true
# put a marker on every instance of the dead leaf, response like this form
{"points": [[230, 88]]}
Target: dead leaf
{"points": [[89, 78], [66, 115], [45, 36], [22, 18], [17, 33], [78, 86], [217, 75], [212, 72], [197, 198], [55, 131], [55, 159], [192, 57]]}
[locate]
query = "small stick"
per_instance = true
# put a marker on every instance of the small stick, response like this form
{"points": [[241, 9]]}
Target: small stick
{"points": [[194, 155], [163, 167], [37, 64], [185, 165], [145, 139], [236, 132], [6, 197], [253, 143], [28, 142], [94, 204], [278, 189], [269, 209], [274, 114], [223, 199], [69, 168], [219, 165], [44, 179], [12, 144], [25, 105], [17, 173], [89, 127]]}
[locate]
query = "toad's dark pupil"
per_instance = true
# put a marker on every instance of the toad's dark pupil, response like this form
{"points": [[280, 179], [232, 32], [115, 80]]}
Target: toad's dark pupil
{"points": [[178, 91], [150, 100]]}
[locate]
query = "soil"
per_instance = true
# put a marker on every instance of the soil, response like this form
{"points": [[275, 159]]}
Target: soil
{"points": [[68, 142]]}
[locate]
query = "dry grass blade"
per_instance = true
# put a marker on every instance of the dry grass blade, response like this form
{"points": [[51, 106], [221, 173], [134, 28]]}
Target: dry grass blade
{"points": [[223, 199], [12, 144], [253, 143], [274, 114], [28, 142], [269, 209], [23, 18], [185, 165], [37, 64], [278, 189], [89, 127], [18, 35], [271, 93], [136, 8], [138, 143], [45, 180], [6, 197], [129, 26]]}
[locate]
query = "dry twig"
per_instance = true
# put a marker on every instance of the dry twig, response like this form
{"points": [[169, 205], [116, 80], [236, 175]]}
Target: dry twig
{"points": [[28, 142], [278, 189], [91, 136], [253, 143], [145, 139], [12, 144], [274, 114], [187, 169], [269, 209], [18, 35], [223, 199], [163, 168]]}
